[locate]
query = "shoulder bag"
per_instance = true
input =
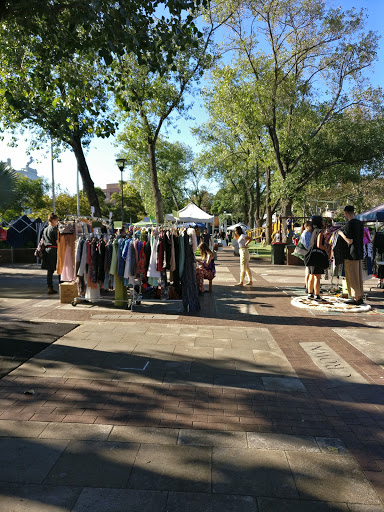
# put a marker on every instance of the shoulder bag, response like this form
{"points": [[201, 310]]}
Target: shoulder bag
{"points": [[300, 251], [40, 249], [316, 257]]}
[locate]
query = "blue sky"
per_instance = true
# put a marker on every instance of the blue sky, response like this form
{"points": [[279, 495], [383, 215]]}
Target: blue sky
{"points": [[102, 153]]}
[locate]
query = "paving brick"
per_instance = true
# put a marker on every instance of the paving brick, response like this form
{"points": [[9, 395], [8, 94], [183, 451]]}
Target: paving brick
{"points": [[209, 426], [47, 417], [79, 419], [16, 415], [353, 413]]}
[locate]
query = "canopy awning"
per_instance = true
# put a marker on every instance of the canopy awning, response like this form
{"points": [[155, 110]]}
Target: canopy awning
{"points": [[146, 221], [192, 213], [373, 215]]}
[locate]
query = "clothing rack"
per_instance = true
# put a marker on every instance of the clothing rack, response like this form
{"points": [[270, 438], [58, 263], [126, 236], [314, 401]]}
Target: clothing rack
{"points": [[133, 267], [89, 237], [378, 260], [136, 297]]}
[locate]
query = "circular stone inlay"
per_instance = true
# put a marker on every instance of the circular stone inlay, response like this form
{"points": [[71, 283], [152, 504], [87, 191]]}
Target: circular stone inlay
{"points": [[329, 303]]}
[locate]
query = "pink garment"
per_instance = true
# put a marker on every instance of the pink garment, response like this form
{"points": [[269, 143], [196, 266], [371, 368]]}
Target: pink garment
{"points": [[367, 236], [68, 272]]}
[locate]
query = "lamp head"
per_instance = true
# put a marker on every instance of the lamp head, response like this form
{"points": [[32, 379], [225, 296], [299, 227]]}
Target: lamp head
{"points": [[121, 163]]}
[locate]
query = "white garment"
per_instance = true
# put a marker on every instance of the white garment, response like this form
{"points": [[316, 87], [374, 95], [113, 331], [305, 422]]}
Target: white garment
{"points": [[92, 294], [192, 233], [152, 267], [242, 241], [83, 261]]}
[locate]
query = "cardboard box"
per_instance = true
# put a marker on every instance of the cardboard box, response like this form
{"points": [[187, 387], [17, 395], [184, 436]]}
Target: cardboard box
{"points": [[68, 291]]}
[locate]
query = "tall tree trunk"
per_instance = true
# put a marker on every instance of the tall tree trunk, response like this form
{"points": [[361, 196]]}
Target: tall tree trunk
{"points": [[250, 207], [268, 207], [258, 220], [245, 210], [155, 183], [173, 196], [286, 211], [82, 167]]}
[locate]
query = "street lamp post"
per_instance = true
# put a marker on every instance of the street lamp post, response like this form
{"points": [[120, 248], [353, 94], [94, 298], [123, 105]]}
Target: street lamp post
{"points": [[53, 182], [121, 164]]}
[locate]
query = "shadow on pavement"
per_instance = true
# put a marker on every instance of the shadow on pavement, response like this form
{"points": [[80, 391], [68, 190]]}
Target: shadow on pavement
{"points": [[170, 394], [21, 340]]}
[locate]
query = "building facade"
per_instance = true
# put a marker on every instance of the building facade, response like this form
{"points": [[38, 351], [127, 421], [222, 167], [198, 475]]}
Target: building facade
{"points": [[27, 171], [110, 189]]}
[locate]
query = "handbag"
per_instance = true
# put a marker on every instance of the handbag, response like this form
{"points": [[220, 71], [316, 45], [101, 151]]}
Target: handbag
{"points": [[40, 249], [316, 257], [300, 251]]}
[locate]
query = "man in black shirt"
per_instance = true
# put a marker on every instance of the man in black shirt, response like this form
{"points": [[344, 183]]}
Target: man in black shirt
{"points": [[353, 234]]}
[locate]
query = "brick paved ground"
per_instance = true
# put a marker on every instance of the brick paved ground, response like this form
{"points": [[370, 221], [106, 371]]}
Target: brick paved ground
{"points": [[238, 368]]}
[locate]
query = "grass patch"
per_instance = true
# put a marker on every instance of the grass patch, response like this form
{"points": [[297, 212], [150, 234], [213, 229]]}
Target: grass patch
{"points": [[257, 251]]}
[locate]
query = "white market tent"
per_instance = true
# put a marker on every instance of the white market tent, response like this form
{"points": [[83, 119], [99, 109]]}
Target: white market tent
{"points": [[192, 213]]}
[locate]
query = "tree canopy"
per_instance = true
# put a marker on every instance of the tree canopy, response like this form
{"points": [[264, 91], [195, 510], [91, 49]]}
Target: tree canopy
{"points": [[291, 109], [296, 91], [58, 56]]}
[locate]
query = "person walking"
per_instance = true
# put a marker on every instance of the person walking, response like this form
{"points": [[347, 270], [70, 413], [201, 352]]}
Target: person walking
{"points": [[243, 242], [353, 233], [49, 260], [315, 273]]}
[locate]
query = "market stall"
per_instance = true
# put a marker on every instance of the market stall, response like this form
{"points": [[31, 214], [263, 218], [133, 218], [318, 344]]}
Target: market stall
{"points": [[192, 213]]}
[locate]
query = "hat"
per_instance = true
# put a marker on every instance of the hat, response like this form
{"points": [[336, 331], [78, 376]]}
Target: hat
{"points": [[349, 208]]}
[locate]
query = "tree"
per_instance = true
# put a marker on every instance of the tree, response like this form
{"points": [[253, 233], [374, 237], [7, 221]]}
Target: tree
{"points": [[149, 98], [66, 204], [153, 30], [173, 164], [232, 161], [238, 145], [198, 192], [134, 208], [7, 185], [66, 102], [309, 84], [52, 62], [29, 196]]}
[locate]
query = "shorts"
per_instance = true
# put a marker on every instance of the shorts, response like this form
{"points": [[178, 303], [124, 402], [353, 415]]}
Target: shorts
{"points": [[315, 270]]}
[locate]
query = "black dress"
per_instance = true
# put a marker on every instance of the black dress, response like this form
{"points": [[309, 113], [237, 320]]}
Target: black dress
{"points": [[190, 292], [313, 243], [49, 260]]}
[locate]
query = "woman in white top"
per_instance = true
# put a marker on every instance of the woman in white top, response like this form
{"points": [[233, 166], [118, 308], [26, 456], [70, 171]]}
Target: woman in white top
{"points": [[243, 241]]}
